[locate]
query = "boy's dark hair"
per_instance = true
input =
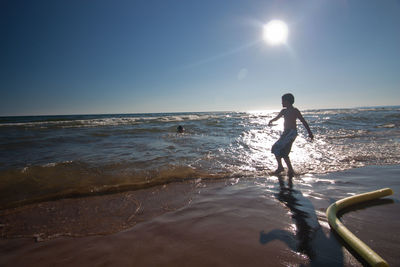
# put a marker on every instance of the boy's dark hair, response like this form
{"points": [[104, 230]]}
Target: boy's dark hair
{"points": [[289, 98]]}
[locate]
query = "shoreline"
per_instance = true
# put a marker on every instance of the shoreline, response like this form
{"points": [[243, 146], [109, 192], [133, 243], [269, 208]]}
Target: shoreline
{"points": [[225, 223]]}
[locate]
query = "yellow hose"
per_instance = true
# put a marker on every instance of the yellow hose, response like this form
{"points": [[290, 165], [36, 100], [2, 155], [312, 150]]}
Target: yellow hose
{"points": [[361, 248]]}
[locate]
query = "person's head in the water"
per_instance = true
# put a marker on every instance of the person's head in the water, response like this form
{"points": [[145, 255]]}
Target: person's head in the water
{"points": [[287, 100], [180, 129]]}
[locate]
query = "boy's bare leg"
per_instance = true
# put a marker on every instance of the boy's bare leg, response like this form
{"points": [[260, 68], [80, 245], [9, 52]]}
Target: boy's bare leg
{"points": [[280, 166], [289, 165]]}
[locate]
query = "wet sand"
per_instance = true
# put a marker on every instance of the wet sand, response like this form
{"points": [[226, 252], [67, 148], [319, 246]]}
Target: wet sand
{"points": [[274, 221]]}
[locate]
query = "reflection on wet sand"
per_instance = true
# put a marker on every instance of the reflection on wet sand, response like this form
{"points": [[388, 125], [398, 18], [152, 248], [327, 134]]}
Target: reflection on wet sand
{"points": [[307, 236]]}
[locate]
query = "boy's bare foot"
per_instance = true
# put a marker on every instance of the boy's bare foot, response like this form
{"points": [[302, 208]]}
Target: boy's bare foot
{"points": [[291, 172]]}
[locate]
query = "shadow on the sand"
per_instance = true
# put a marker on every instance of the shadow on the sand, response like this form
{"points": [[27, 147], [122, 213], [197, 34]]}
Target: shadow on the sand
{"points": [[308, 237]]}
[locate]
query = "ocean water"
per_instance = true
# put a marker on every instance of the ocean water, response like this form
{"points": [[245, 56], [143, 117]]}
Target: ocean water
{"points": [[50, 157]]}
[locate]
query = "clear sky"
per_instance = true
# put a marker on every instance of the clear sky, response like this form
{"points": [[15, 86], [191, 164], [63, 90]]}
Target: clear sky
{"points": [[98, 56]]}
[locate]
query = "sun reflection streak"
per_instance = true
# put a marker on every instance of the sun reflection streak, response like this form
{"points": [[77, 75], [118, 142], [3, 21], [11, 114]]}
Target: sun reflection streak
{"points": [[246, 149], [252, 149], [260, 139]]}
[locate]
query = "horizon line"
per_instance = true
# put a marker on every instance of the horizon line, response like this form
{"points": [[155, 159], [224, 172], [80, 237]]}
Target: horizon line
{"points": [[183, 112]]}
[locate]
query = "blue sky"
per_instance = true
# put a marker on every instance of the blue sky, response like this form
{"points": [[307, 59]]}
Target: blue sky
{"points": [[83, 57]]}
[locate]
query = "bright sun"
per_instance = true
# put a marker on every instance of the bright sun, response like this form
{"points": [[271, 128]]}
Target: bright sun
{"points": [[275, 32]]}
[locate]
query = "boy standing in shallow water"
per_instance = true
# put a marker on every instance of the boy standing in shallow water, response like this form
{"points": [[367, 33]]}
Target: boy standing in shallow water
{"points": [[282, 147]]}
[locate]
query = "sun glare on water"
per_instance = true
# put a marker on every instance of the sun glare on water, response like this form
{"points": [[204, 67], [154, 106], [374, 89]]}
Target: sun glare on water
{"points": [[275, 32]]}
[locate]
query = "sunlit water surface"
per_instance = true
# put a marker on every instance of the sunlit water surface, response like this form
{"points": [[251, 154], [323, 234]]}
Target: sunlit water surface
{"points": [[79, 154]]}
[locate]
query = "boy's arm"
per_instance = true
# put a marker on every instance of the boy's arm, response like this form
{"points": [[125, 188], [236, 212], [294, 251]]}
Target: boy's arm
{"points": [[276, 118], [301, 118]]}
